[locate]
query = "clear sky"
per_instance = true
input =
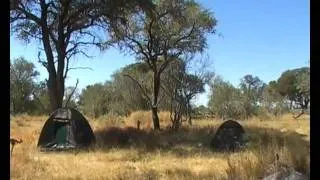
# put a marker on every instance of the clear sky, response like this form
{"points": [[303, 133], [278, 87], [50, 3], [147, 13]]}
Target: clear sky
{"points": [[262, 38]]}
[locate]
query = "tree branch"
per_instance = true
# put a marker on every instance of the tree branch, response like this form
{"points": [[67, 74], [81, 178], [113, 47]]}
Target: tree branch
{"points": [[140, 47], [161, 98], [164, 66], [150, 42], [81, 68], [68, 69], [44, 63], [28, 14], [71, 93], [140, 86], [186, 36]]}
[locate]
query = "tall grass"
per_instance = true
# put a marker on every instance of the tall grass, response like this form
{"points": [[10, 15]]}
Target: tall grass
{"points": [[145, 117], [124, 152]]}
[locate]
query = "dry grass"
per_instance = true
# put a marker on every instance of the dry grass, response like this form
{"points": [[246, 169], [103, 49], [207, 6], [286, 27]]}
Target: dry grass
{"points": [[144, 154], [144, 117]]}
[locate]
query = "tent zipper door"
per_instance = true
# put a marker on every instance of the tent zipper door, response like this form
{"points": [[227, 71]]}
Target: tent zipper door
{"points": [[61, 133]]}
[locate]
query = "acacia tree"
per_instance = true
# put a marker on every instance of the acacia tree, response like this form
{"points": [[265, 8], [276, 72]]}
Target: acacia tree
{"points": [[126, 94], [22, 84], [303, 87], [194, 81], [226, 101], [64, 28], [172, 85], [41, 99], [294, 85], [182, 85], [174, 28], [272, 101], [252, 89], [94, 100]]}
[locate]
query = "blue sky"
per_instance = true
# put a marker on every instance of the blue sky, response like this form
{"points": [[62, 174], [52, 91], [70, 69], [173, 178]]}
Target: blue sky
{"points": [[262, 38]]}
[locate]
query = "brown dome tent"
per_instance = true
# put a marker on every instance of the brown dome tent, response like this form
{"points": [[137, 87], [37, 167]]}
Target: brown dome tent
{"points": [[229, 136], [66, 128]]}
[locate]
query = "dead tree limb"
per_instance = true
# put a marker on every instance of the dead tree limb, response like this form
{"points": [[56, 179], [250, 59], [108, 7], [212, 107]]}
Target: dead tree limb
{"points": [[74, 89], [300, 114]]}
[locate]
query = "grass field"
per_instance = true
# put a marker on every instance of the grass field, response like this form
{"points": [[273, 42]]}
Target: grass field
{"points": [[163, 155]]}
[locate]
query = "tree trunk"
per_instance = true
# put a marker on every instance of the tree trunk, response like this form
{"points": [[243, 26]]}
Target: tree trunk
{"points": [[155, 118], [55, 82], [189, 112], [189, 120], [306, 103], [176, 121], [56, 91], [156, 88]]}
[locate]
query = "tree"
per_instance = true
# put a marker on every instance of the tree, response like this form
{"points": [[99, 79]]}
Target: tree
{"points": [[252, 89], [65, 28], [126, 94], [94, 100], [303, 87], [272, 101], [173, 84], [199, 74], [22, 84], [173, 29], [41, 99], [293, 85], [202, 111], [226, 101], [182, 87]]}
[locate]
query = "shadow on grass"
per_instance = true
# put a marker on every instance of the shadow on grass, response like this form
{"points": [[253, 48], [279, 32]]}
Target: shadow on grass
{"points": [[190, 140]]}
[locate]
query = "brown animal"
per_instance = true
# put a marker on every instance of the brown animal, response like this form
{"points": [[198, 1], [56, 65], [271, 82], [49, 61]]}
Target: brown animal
{"points": [[13, 142]]}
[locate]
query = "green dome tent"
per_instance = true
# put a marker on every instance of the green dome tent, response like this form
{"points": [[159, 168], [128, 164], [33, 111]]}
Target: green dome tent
{"points": [[66, 128]]}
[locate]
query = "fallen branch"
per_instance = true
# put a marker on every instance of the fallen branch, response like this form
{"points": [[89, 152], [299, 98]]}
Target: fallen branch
{"points": [[301, 113]]}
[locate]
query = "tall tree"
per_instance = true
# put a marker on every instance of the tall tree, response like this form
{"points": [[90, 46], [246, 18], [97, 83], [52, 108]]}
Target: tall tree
{"points": [[22, 84], [272, 101], [252, 89], [175, 28], [94, 100], [226, 101], [294, 85], [182, 86], [199, 74], [126, 94], [303, 87], [41, 99], [172, 85], [65, 28]]}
